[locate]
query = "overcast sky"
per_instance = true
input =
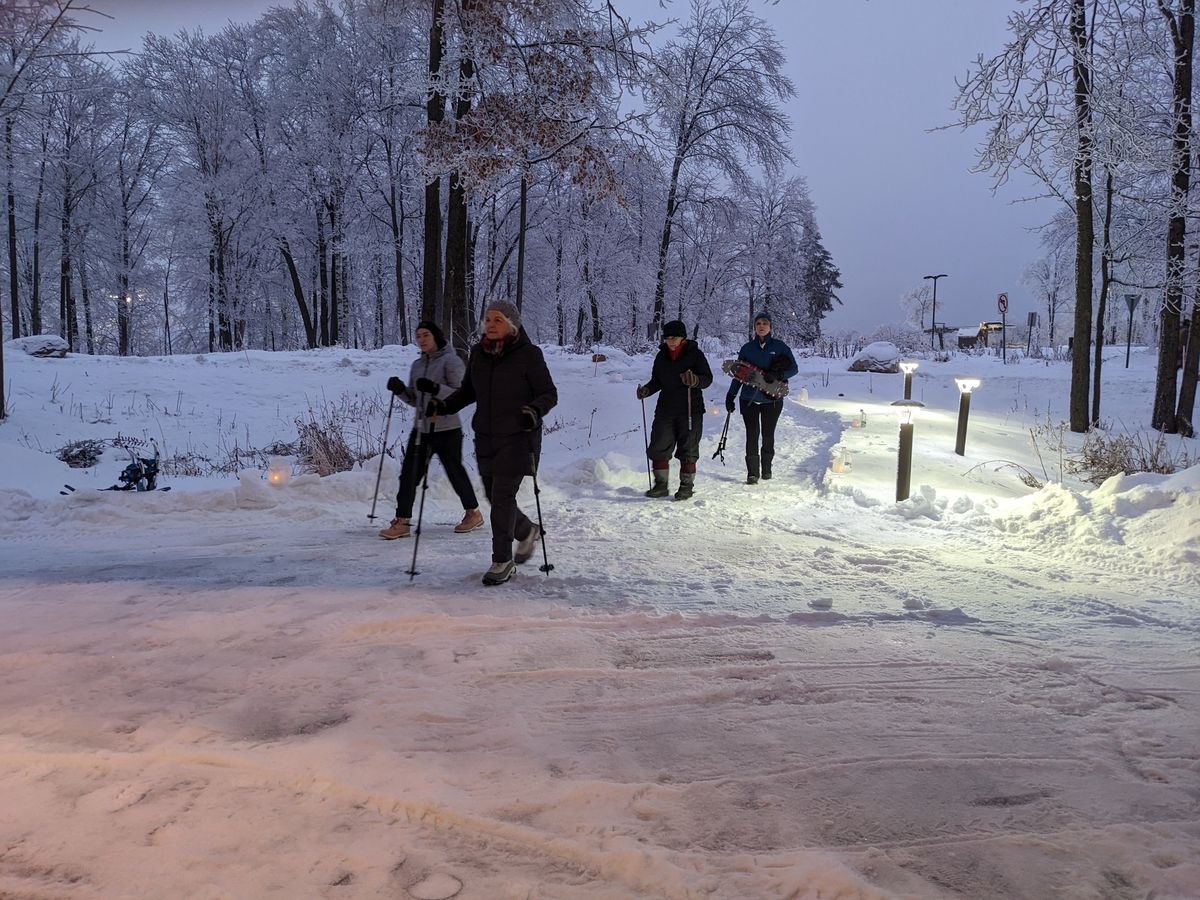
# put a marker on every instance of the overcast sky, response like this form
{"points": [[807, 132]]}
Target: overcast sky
{"points": [[894, 200]]}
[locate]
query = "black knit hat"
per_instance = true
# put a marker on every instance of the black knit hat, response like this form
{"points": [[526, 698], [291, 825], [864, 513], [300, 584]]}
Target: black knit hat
{"points": [[763, 315], [674, 328], [438, 338]]}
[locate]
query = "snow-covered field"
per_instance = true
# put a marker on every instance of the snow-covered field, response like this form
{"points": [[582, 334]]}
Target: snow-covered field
{"points": [[797, 689]]}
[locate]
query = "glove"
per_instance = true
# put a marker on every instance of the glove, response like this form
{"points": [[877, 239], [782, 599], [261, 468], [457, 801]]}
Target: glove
{"points": [[778, 364], [427, 386], [434, 408], [395, 385], [769, 377], [690, 378], [643, 391], [729, 404], [530, 417]]}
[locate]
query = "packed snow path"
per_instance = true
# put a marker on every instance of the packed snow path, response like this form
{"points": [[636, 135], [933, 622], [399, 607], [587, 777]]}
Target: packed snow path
{"points": [[768, 691]]}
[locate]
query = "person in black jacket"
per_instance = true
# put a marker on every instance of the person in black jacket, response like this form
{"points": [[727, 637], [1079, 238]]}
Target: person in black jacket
{"points": [[679, 375], [508, 381]]}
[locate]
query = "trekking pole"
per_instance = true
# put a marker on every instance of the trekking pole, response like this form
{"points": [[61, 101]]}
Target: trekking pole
{"points": [[720, 451], [546, 565], [387, 426], [412, 569], [646, 441]]}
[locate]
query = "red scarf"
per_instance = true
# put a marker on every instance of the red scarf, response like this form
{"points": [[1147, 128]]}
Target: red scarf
{"points": [[496, 348], [677, 352]]}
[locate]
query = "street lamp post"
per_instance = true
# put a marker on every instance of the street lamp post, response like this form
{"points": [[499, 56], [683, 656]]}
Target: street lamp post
{"points": [[1131, 300], [933, 311], [908, 366], [907, 410], [965, 386]]}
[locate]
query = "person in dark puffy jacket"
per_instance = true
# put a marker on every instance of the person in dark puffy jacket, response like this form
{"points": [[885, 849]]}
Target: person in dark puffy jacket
{"points": [[679, 376], [437, 371], [508, 381], [760, 412]]}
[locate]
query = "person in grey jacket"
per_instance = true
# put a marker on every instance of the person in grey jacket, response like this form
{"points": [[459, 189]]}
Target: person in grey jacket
{"points": [[508, 381], [436, 372]]}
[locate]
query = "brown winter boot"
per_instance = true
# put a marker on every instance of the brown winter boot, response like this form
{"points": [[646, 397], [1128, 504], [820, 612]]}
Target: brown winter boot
{"points": [[472, 519], [398, 529]]}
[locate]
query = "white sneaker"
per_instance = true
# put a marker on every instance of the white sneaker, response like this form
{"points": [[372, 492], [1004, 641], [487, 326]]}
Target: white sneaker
{"points": [[499, 573], [526, 544]]}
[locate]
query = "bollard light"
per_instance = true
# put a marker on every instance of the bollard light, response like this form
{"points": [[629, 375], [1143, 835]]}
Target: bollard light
{"points": [[907, 410], [908, 366], [965, 386], [279, 471]]}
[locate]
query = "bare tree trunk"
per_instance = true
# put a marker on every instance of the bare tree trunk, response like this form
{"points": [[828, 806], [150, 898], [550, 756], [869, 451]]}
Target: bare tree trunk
{"points": [[521, 227], [560, 315], [456, 317], [435, 112], [310, 331], [89, 331], [1106, 266], [123, 290], [335, 311], [66, 299], [1085, 232], [35, 286], [1182, 29], [323, 270], [167, 303], [397, 217], [13, 295], [664, 245]]}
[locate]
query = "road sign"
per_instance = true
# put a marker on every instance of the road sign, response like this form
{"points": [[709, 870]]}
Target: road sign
{"points": [[1002, 302]]}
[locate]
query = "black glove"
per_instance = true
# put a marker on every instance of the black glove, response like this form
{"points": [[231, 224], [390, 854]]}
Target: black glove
{"points": [[690, 378], [769, 377], [643, 391], [778, 364], [427, 386], [729, 403], [395, 385], [531, 417], [434, 408]]}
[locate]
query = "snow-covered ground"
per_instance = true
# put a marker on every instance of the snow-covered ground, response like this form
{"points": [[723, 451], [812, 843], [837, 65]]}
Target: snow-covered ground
{"points": [[796, 689]]}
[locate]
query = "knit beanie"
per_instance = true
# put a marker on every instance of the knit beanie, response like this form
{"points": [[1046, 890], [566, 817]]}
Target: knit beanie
{"points": [[507, 310], [438, 337], [674, 328], [763, 315]]}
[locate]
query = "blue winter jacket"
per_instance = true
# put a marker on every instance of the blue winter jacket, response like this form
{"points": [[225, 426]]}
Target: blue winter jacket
{"points": [[763, 355]]}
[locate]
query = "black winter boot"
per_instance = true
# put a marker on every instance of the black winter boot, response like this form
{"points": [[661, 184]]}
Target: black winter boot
{"points": [[661, 487], [766, 468], [752, 469], [687, 484]]}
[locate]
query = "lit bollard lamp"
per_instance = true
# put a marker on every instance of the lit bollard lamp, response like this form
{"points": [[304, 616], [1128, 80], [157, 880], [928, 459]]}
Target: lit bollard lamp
{"points": [[908, 366], [965, 386], [908, 411]]}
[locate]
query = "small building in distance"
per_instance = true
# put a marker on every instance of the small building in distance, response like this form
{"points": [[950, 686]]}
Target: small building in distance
{"points": [[980, 338]]}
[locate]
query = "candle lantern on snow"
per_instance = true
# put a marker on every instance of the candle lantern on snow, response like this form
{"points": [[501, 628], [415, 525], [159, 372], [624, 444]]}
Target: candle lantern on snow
{"points": [[279, 471]]}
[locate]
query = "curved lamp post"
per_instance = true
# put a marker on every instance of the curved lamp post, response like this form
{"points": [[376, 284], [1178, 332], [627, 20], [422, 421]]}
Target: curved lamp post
{"points": [[965, 386], [908, 411], [908, 366]]}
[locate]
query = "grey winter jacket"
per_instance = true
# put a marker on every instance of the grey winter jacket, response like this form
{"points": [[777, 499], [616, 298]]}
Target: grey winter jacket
{"points": [[447, 370]]}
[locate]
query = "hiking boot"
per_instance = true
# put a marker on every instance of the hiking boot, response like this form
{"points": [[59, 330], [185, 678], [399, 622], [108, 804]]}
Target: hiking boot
{"points": [[687, 485], [661, 486], [751, 479], [499, 573], [398, 529], [526, 544], [472, 519]]}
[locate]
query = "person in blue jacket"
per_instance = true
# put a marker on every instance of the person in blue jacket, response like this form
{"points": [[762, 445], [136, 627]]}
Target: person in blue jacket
{"points": [[761, 412]]}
